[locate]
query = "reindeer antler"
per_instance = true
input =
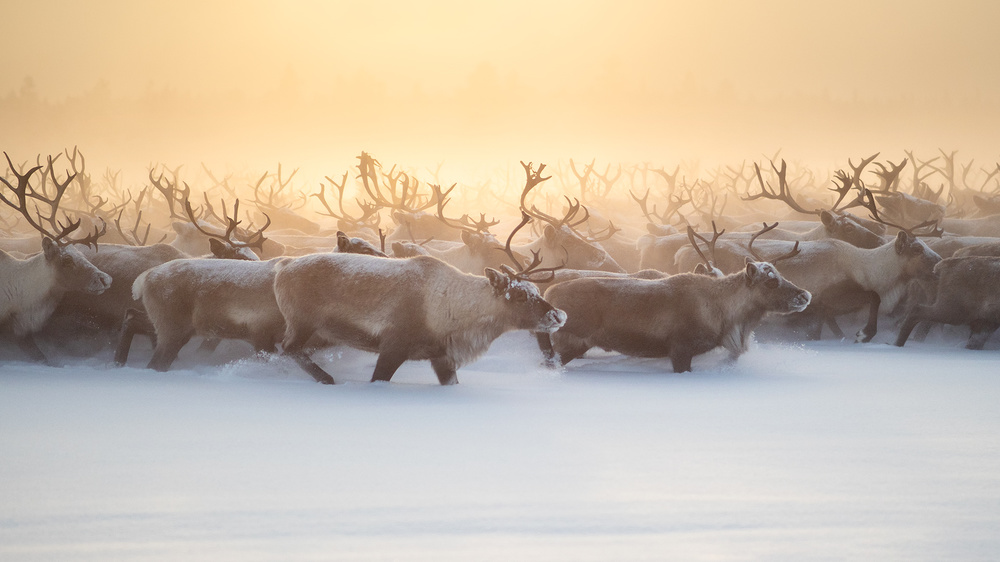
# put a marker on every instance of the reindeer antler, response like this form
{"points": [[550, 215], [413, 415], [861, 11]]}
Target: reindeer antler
{"points": [[794, 252], [868, 202], [692, 235], [24, 191], [783, 193]]}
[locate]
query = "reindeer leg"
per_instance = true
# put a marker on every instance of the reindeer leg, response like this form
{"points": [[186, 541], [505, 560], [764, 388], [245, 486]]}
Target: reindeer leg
{"points": [[814, 328], [928, 315], [135, 322], [866, 334], [981, 331], [310, 366], [294, 347], [388, 362], [444, 368], [923, 329], [567, 346], [908, 324], [166, 351], [831, 322], [29, 346], [681, 361], [545, 345]]}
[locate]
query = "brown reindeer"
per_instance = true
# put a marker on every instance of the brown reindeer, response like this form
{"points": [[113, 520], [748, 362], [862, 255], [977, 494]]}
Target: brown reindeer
{"points": [[965, 292], [677, 317]]}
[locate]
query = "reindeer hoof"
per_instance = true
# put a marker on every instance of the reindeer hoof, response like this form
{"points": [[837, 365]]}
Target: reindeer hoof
{"points": [[862, 337]]}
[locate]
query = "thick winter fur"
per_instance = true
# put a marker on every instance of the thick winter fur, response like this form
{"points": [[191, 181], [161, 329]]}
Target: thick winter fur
{"points": [[948, 246], [985, 226], [473, 254], [677, 317], [563, 275], [403, 309], [965, 293], [836, 272], [209, 298], [420, 226], [31, 289], [123, 263], [731, 247], [561, 246]]}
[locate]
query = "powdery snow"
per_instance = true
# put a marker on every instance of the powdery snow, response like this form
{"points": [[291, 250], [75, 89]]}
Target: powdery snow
{"points": [[819, 451]]}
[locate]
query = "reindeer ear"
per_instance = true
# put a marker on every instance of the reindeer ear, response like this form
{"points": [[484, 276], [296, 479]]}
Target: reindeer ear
{"points": [[467, 238], [549, 232], [752, 272], [219, 249], [343, 242], [902, 241], [50, 248], [499, 281], [179, 227], [700, 269], [826, 217]]}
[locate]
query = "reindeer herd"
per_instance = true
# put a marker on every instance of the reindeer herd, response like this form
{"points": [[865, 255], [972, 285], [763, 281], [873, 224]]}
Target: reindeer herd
{"points": [[669, 274]]}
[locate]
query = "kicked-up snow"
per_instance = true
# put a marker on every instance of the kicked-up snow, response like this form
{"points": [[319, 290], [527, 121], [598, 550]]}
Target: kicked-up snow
{"points": [[815, 451]]}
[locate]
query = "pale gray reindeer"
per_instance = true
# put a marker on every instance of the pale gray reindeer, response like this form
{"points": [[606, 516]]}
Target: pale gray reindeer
{"points": [[30, 289]]}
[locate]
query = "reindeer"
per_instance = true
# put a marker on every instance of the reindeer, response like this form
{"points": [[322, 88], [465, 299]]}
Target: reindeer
{"points": [[677, 317], [666, 254], [209, 298], [229, 242], [215, 299], [560, 242], [30, 289], [965, 292], [404, 309], [843, 277], [132, 263]]}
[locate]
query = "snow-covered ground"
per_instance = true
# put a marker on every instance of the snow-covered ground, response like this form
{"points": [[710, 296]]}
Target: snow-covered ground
{"points": [[817, 451]]}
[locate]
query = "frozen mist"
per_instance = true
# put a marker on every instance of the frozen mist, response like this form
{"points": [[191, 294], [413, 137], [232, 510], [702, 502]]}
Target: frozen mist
{"points": [[815, 451]]}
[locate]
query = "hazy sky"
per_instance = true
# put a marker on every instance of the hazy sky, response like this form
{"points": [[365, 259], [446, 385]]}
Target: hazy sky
{"points": [[423, 81], [872, 49]]}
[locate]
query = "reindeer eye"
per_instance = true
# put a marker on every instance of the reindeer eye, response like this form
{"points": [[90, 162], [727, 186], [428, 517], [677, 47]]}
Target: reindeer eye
{"points": [[772, 283]]}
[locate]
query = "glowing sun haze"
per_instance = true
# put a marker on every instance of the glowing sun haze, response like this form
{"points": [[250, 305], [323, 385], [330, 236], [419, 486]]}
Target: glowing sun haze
{"points": [[302, 81]]}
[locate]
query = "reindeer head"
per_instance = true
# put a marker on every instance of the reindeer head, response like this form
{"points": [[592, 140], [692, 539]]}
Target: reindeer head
{"points": [[772, 291], [846, 227], [408, 250], [353, 245], [919, 260], [73, 272], [523, 301], [907, 209], [563, 245]]}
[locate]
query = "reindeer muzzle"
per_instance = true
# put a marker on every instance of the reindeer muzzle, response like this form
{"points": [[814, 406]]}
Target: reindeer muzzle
{"points": [[552, 321], [99, 284], [800, 301]]}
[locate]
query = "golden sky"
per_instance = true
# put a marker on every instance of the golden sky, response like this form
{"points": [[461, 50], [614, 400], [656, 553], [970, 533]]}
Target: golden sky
{"points": [[845, 47], [629, 74]]}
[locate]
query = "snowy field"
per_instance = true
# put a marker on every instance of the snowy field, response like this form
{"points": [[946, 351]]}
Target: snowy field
{"points": [[816, 451]]}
